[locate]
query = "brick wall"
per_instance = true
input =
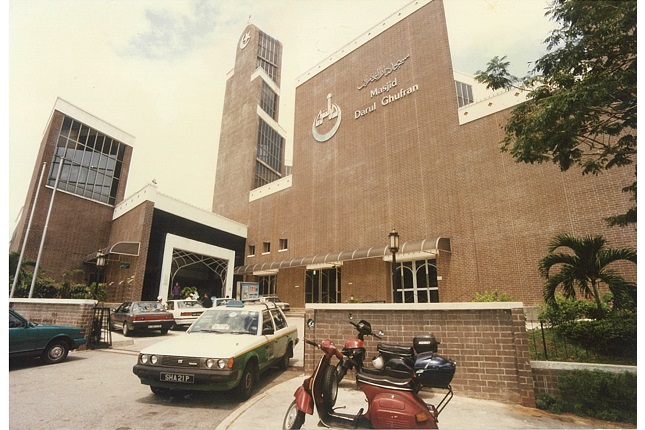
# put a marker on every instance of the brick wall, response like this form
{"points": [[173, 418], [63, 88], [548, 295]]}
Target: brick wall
{"points": [[57, 311], [487, 340], [409, 165]]}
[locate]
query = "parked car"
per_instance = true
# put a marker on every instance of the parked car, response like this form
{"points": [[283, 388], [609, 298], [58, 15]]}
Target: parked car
{"points": [[227, 348], [185, 311], [275, 299], [219, 301], [141, 316], [50, 342]]}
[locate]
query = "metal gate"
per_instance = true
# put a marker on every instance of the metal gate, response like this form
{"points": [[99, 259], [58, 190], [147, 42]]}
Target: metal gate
{"points": [[101, 336]]}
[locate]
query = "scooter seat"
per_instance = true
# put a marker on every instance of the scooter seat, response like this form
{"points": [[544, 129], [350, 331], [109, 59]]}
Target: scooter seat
{"points": [[386, 381], [394, 349]]}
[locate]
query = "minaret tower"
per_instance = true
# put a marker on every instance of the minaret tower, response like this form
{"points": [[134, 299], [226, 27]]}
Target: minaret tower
{"points": [[251, 146]]}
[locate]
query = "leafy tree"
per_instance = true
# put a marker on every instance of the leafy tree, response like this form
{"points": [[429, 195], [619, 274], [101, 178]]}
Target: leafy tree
{"points": [[24, 275], [586, 268], [582, 103]]}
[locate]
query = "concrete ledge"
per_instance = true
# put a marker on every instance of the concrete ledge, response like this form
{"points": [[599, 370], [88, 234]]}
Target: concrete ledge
{"points": [[55, 301], [562, 365], [417, 306]]}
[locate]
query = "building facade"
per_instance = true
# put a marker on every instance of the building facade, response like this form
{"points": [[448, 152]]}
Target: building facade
{"points": [[250, 134], [80, 197], [83, 226], [388, 136]]}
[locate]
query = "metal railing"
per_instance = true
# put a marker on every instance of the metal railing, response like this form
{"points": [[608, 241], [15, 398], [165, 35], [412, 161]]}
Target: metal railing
{"points": [[101, 336], [546, 344]]}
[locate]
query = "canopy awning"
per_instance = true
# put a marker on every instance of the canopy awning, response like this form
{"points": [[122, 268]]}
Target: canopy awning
{"points": [[120, 248], [427, 247]]}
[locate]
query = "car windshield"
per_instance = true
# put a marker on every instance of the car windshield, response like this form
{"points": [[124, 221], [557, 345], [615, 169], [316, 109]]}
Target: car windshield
{"points": [[147, 307], [189, 304], [224, 320]]}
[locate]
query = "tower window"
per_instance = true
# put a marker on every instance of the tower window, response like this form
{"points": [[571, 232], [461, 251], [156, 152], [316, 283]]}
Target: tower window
{"points": [[91, 162], [266, 247], [464, 93]]}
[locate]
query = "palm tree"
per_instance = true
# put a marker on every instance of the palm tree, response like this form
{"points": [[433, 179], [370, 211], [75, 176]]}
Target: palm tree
{"points": [[585, 269]]}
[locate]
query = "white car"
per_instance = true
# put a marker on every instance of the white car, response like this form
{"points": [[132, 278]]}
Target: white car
{"points": [[275, 299], [185, 311], [227, 348]]}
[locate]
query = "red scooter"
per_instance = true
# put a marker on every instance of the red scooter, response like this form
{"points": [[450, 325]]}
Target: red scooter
{"points": [[392, 402]]}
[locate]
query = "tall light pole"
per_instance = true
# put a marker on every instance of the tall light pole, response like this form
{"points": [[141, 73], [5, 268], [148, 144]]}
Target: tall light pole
{"points": [[42, 239], [394, 248], [24, 240]]}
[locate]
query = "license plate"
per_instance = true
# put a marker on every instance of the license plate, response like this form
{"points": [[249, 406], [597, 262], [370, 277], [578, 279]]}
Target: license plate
{"points": [[177, 377], [154, 326]]}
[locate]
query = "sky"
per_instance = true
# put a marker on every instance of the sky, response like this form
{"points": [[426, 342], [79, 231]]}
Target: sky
{"points": [[156, 69]]}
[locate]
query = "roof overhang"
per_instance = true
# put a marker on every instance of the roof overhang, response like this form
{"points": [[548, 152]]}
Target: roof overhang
{"points": [[426, 248], [119, 248]]}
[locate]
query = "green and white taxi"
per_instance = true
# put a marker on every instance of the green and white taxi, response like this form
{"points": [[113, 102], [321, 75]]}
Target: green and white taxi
{"points": [[227, 348]]}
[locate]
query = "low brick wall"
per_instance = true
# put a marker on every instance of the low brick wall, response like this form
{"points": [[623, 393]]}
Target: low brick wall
{"points": [[487, 340], [57, 311], [546, 373]]}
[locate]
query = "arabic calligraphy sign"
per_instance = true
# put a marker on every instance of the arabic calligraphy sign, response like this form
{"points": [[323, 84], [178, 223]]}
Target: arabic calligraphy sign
{"points": [[383, 71]]}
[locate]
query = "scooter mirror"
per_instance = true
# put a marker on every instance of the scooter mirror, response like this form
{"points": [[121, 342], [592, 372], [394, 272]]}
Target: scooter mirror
{"points": [[350, 316], [380, 333], [311, 323]]}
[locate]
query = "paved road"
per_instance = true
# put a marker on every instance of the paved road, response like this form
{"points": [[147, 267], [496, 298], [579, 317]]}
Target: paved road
{"points": [[96, 389]]}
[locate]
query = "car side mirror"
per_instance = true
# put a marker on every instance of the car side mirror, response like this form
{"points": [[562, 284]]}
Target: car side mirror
{"points": [[267, 330]]}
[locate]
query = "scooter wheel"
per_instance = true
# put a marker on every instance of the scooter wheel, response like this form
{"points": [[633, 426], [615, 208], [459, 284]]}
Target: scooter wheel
{"points": [[294, 419], [329, 387]]}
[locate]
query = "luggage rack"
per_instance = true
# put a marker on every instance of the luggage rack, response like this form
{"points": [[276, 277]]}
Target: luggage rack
{"points": [[436, 410]]}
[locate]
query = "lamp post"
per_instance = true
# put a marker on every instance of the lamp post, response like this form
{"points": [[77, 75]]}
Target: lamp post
{"points": [[394, 247], [100, 263]]}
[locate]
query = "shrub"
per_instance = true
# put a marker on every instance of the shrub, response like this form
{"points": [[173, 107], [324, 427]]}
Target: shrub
{"points": [[603, 395], [187, 291], [615, 335], [565, 310], [493, 296]]}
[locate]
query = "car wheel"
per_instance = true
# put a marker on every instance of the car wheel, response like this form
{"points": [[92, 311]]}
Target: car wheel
{"points": [[126, 329], [294, 419], [330, 387], [283, 364], [245, 388], [55, 352], [164, 331], [160, 391]]}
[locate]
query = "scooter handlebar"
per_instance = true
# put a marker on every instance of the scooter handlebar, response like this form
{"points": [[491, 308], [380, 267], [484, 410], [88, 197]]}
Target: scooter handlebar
{"points": [[311, 342], [326, 346]]}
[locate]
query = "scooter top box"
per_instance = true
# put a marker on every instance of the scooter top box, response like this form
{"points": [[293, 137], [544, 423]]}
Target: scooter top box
{"points": [[425, 343], [433, 370]]}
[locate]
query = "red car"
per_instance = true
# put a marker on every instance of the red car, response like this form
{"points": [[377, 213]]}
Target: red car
{"points": [[141, 316]]}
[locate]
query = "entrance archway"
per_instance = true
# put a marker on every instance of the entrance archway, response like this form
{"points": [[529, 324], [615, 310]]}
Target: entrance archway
{"points": [[182, 253]]}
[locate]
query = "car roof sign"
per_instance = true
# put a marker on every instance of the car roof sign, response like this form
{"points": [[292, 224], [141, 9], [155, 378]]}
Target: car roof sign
{"points": [[234, 304]]}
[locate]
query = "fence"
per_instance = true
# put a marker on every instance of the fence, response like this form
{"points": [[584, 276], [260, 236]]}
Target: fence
{"points": [[545, 344]]}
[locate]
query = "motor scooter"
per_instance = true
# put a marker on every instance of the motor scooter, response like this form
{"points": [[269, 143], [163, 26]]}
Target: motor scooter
{"points": [[397, 360], [400, 360], [354, 349], [392, 402]]}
